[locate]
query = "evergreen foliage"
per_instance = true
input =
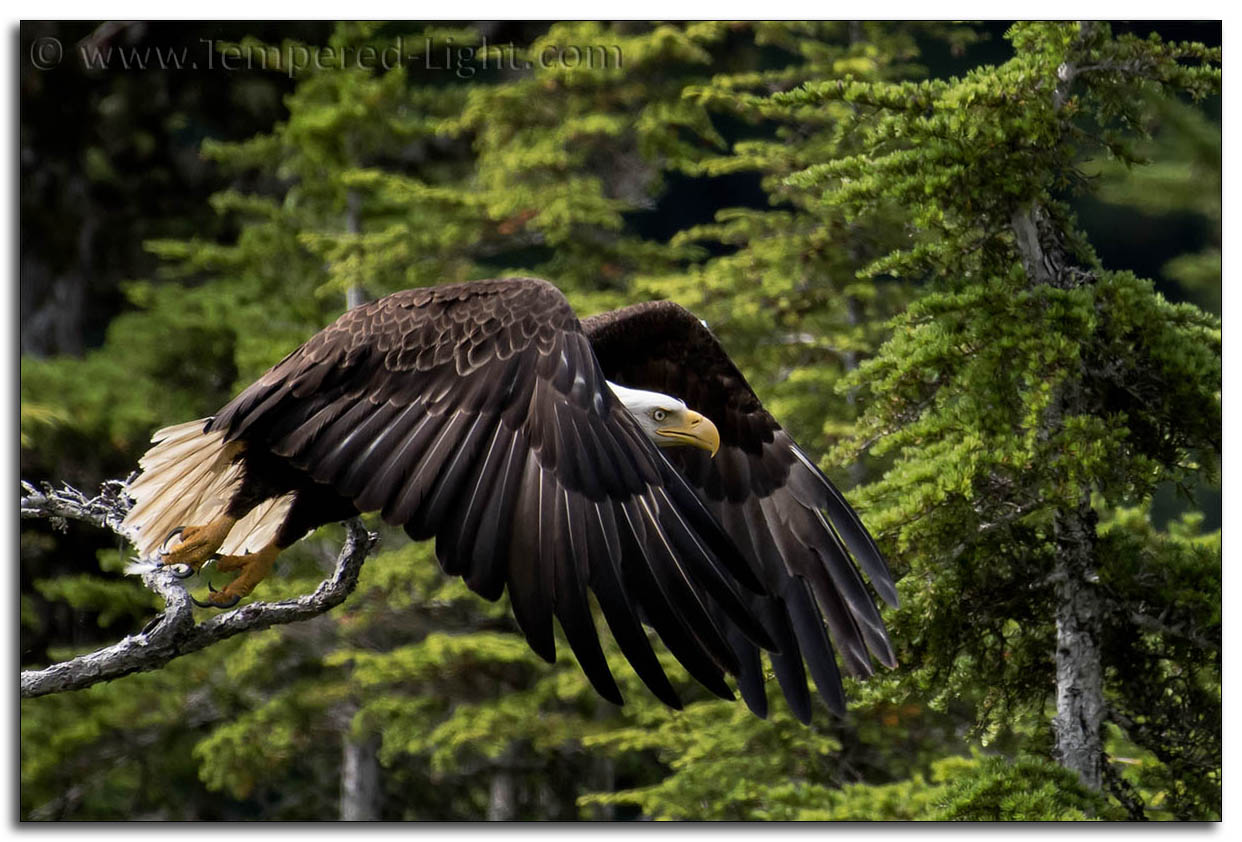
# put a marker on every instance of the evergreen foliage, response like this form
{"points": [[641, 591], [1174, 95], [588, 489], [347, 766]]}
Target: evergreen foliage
{"points": [[875, 283], [1009, 394]]}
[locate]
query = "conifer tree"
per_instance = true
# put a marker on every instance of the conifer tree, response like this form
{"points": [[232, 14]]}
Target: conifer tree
{"points": [[1031, 389], [1013, 403]]}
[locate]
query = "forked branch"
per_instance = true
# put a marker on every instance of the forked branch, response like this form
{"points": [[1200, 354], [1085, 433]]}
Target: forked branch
{"points": [[174, 632]]}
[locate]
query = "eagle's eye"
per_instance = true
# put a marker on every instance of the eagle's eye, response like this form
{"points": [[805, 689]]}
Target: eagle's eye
{"points": [[658, 415]]}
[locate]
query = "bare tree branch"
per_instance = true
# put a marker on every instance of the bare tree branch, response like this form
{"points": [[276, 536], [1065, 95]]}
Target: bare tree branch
{"points": [[173, 633], [67, 503]]}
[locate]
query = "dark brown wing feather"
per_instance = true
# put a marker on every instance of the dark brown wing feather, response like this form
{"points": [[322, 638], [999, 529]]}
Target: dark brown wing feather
{"points": [[776, 505], [477, 414]]}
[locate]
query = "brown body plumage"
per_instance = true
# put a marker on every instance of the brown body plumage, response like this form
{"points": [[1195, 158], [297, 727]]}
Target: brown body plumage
{"points": [[480, 414]]}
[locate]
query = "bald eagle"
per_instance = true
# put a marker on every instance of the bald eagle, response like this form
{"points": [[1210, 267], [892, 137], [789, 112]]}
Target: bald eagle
{"points": [[624, 455]]}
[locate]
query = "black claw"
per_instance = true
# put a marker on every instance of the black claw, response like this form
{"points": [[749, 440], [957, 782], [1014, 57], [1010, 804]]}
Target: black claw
{"points": [[171, 535], [181, 571], [202, 604]]}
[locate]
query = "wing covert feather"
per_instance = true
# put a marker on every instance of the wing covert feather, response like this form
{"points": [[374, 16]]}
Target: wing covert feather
{"points": [[786, 518], [477, 414]]}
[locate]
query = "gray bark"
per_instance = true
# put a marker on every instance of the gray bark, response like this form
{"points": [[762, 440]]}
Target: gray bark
{"points": [[1080, 687], [858, 471], [173, 633], [360, 778], [355, 296], [1080, 684], [502, 796]]}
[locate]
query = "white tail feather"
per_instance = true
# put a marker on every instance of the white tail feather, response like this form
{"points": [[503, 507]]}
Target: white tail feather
{"points": [[188, 479], [258, 528]]}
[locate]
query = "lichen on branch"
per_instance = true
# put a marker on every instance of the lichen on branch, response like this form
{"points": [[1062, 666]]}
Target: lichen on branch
{"points": [[174, 632]]}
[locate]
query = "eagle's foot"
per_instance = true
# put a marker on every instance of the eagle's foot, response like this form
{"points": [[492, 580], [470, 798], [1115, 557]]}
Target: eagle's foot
{"points": [[254, 568], [196, 546]]}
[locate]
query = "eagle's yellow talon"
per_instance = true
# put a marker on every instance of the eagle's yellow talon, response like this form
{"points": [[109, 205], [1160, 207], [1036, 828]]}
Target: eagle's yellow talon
{"points": [[254, 568], [197, 546]]}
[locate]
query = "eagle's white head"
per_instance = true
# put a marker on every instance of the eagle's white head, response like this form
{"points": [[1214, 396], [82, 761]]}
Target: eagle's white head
{"points": [[667, 421]]}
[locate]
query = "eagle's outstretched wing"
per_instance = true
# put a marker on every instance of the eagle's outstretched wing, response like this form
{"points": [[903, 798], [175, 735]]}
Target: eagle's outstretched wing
{"points": [[478, 414], [773, 501]]}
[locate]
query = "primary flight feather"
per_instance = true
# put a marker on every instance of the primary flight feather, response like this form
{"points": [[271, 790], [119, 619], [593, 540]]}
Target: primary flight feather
{"points": [[623, 455]]}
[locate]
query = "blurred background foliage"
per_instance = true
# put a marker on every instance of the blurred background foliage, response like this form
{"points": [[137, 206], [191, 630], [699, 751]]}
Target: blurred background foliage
{"points": [[827, 197]]}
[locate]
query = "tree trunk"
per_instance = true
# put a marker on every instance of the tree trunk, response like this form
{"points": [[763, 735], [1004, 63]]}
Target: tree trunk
{"points": [[355, 296], [1080, 686], [502, 796], [1080, 681], [360, 779], [855, 316]]}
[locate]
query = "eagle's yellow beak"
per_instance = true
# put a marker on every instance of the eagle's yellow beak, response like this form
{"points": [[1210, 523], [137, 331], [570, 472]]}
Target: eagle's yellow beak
{"points": [[694, 429]]}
